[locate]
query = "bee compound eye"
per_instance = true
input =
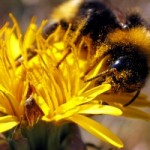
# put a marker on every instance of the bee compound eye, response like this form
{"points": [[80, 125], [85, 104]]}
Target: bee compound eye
{"points": [[121, 63], [135, 68]]}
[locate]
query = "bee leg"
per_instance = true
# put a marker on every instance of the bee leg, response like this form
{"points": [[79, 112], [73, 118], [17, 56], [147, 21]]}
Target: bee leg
{"points": [[63, 58], [30, 55], [133, 99]]}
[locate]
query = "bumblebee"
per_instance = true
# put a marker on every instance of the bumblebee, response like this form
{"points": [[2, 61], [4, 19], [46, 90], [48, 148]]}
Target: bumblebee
{"points": [[123, 40]]}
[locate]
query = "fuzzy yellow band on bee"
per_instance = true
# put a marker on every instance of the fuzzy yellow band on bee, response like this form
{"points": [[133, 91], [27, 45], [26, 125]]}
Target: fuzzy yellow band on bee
{"points": [[138, 36], [66, 11]]}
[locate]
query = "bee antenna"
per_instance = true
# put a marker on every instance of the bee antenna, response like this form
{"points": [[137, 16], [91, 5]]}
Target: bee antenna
{"points": [[102, 74], [90, 79]]}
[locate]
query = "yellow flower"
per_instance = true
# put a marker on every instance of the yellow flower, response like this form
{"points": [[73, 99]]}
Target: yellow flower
{"points": [[29, 85], [14, 85]]}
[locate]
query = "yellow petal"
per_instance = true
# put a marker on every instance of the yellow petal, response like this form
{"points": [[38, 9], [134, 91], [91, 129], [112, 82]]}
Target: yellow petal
{"points": [[12, 44], [4, 110], [8, 122], [94, 73], [72, 103], [30, 36], [5, 104], [99, 109], [17, 28], [12, 101], [97, 69], [84, 98], [3, 29], [139, 102], [96, 129], [135, 113], [61, 116], [124, 98], [41, 103], [94, 92], [41, 27], [59, 46], [47, 119]]}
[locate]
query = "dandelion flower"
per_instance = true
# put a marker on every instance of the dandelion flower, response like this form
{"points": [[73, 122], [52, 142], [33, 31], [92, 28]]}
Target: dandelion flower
{"points": [[13, 83], [35, 87]]}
